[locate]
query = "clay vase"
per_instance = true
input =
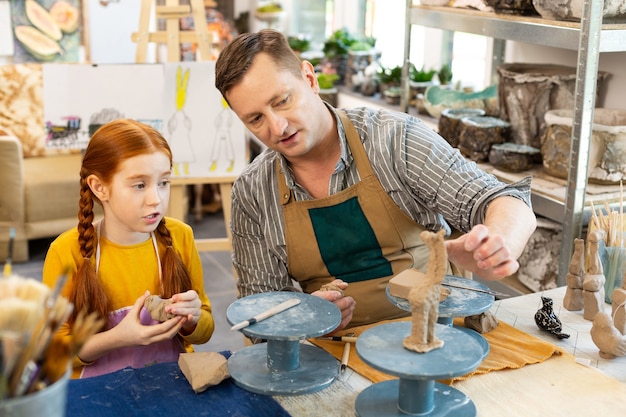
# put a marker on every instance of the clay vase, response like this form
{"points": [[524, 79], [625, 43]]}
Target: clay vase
{"points": [[607, 148], [573, 9], [527, 91], [437, 98]]}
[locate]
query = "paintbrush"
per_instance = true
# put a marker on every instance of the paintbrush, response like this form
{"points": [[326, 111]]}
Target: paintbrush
{"points": [[62, 349], [26, 367], [9, 261]]}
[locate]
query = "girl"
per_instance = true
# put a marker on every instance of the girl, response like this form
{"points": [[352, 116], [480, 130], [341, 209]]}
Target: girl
{"points": [[115, 263]]}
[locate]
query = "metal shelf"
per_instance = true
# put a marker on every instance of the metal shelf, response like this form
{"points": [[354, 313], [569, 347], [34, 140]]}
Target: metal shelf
{"points": [[534, 30], [590, 37]]}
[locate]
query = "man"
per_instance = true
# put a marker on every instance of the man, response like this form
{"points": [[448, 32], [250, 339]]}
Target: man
{"points": [[342, 196]]}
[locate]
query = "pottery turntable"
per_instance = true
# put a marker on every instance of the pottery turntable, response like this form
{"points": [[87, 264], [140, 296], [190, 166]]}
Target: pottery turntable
{"points": [[284, 366], [416, 392]]}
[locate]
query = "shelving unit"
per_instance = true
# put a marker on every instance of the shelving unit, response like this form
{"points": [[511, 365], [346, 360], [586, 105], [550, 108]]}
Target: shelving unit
{"points": [[590, 37]]}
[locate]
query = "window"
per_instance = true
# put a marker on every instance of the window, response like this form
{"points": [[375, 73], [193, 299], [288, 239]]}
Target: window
{"points": [[384, 20]]}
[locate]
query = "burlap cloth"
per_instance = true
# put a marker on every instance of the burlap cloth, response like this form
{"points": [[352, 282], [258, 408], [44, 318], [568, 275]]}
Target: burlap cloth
{"points": [[509, 348]]}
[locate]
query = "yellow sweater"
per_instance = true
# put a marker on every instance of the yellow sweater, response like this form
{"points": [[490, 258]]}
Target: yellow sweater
{"points": [[128, 271]]}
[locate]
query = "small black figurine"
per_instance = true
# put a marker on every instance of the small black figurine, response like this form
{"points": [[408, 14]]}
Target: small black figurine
{"points": [[547, 320]]}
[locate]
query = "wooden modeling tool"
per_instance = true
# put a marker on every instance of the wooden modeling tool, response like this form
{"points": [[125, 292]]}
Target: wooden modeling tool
{"points": [[267, 314], [349, 339], [490, 292], [345, 357]]}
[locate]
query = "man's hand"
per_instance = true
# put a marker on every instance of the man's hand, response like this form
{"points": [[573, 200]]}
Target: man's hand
{"points": [[483, 253], [345, 304]]}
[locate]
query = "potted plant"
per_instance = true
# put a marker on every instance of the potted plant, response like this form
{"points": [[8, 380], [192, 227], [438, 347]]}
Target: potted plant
{"points": [[338, 44], [420, 80], [445, 75], [389, 77], [361, 54], [326, 80], [393, 94], [299, 44], [336, 49]]}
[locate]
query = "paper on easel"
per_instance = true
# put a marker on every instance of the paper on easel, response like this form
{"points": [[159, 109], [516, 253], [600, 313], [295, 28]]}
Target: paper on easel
{"points": [[6, 37]]}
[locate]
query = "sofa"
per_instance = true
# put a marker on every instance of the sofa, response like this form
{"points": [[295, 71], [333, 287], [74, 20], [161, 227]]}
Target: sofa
{"points": [[38, 197]]}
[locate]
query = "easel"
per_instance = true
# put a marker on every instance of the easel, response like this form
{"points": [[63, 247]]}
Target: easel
{"points": [[172, 12]]}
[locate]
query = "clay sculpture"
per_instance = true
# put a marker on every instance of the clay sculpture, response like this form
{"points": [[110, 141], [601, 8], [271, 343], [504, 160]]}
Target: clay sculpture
{"points": [[548, 321], [156, 307], [424, 297]]}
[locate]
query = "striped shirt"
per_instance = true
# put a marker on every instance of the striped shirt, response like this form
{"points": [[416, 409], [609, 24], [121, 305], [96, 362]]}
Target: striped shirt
{"points": [[427, 178]]}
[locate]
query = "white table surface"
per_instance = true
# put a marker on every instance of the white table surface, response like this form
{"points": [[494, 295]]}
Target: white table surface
{"points": [[520, 311], [564, 386]]}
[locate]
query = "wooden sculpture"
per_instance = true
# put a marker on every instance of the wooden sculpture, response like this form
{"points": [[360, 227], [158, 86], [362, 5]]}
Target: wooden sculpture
{"points": [[424, 297]]}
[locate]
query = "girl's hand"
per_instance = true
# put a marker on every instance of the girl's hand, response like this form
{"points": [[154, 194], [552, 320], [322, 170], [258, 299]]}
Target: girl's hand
{"points": [[188, 305], [132, 333]]}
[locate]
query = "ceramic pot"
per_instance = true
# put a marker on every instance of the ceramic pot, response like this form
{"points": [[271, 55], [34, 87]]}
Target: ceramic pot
{"points": [[607, 148], [448, 126], [573, 9], [528, 91], [393, 95], [435, 2], [437, 98], [522, 7], [478, 134]]}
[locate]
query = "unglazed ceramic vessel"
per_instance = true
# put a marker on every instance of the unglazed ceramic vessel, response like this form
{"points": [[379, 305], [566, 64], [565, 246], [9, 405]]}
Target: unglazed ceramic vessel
{"points": [[449, 121], [435, 2], [520, 7], [478, 133], [573, 9], [437, 98], [527, 91], [607, 149]]}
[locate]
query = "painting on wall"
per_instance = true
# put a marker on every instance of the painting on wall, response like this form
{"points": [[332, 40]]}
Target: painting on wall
{"points": [[78, 99], [206, 137], [46, 30], [178, 99]]}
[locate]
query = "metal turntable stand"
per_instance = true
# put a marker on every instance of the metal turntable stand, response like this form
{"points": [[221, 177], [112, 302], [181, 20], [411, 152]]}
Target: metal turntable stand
{"points": [[283, 365], [416, 392]]}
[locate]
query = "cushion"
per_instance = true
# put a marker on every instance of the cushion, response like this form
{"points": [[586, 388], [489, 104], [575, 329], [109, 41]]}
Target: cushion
{"points": [[52, 188]]}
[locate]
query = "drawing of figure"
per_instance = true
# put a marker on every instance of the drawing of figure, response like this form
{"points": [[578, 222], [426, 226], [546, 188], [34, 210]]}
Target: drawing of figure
{"points": [[179, 127], [223, 142]]}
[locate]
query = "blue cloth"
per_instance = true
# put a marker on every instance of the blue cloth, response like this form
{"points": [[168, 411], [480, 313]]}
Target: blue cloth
{"points": [[162, 390]]}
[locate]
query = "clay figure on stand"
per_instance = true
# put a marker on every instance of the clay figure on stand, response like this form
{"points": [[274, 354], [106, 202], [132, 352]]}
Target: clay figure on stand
{"points": [[593, 284], [548, 321], [618, 307], [424, 297], [606, 337], [573, 300]]}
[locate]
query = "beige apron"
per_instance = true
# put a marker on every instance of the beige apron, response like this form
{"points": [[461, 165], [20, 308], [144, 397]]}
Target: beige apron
{"points": [[358, 235]]}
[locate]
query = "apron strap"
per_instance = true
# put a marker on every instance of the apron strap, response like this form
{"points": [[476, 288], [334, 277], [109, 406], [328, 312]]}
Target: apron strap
{"points": [[361, 160]]}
